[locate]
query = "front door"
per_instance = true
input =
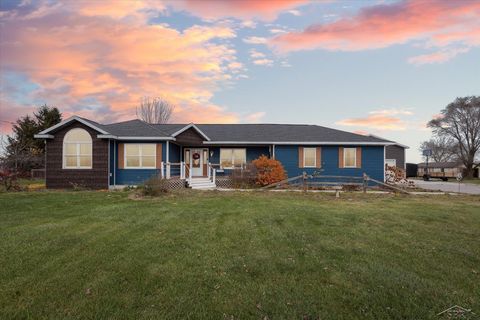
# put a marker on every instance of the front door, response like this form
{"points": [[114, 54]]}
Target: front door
{"points": [[196, 159]]}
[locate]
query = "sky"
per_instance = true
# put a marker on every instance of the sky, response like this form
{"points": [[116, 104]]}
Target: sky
{"points": [[371, 67]]}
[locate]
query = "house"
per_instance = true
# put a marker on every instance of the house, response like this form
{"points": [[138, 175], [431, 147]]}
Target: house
{"points": [[86, 153]]}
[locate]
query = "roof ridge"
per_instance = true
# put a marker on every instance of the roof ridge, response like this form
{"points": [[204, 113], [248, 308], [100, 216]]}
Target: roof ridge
{"points": [[151, 125]]}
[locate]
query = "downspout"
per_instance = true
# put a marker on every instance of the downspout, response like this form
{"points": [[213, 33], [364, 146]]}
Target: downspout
{"points": [[384, 162]]}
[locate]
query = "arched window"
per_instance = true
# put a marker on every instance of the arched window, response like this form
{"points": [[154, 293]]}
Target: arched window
{"points": [[77, 149]]}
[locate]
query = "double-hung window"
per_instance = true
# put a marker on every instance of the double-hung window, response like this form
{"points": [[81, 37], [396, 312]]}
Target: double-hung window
{"points": [[350, 157], [140, 156], [231, 158], [77, 149], [309, 157]]}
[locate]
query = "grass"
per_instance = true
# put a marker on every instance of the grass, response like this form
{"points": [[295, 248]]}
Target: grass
{"points": [[101, 255]]}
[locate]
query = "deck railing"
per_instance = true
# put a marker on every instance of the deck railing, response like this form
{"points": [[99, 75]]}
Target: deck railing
{"points": [[183, 170]]}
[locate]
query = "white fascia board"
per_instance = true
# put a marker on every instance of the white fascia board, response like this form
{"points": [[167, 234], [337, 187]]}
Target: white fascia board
{"points": [[302, 143], [191, 125], [395, 143], [109, 136], [43, 136], [88, 124]]}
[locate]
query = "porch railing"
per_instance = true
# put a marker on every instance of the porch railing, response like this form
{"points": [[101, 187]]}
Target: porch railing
{"points": [[211, 172], [183, 170]]}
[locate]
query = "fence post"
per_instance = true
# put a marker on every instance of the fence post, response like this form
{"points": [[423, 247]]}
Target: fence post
{"points": [[304, 177], [365, 182]]}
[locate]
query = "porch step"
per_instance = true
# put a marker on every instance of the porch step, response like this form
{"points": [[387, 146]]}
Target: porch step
{"points": [[201, 184]]}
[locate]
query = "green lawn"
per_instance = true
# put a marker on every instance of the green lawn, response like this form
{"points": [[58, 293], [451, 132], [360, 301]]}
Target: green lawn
{"points": [[100, 255]]}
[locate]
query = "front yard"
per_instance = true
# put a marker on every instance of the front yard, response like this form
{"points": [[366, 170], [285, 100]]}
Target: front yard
{"points": [[234, 255]]}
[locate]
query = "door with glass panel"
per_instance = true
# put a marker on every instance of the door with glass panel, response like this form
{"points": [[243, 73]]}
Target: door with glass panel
{"points": [[196, 160]]}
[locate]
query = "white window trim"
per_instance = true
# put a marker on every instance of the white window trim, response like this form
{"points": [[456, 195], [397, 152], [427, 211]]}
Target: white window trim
{"points": [[355, 159], [233, 166], [315, 153], [77, 153], [140, 155]]}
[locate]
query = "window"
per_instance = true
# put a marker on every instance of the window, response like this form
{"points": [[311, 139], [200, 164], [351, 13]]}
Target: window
{"points": [[230, 158], [391, 162], [350, 157], [140, 156], [309, 157], [77, 149]]}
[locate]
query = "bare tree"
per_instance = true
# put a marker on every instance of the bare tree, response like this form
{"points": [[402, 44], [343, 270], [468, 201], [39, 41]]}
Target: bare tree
{"points": [[460, 121], [155, 110], [443, 149]]}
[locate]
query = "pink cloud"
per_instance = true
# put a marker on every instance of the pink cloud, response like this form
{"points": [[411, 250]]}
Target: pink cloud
{"points": [[241, 9], [437, 57], [436, 23], [99, 65], [375, 121]]}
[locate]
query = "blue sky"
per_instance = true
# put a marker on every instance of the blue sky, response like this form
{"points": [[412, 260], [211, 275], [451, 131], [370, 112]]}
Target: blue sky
{"points": [[373, 67]]}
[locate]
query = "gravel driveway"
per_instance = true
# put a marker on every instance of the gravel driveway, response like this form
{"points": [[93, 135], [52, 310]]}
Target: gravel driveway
{"points": [[449, 186]]}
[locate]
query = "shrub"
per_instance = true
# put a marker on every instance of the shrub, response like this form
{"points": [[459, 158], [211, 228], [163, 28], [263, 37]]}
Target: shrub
{"points": [[244, 177], [9, 181], [155, 186], [269, 171]]}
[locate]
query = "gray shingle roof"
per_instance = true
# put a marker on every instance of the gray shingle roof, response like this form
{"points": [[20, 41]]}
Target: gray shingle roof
{"points": [[249, 133], [281, 133], [135, 128]]}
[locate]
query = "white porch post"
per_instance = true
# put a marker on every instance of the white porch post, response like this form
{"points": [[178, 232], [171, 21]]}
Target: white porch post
{"points": [[162, 168], [182, 170], [168, 170], [209, 167]]}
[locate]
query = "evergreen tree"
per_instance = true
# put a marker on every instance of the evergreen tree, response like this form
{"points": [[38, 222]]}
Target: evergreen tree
{"points": [[23, 152]]}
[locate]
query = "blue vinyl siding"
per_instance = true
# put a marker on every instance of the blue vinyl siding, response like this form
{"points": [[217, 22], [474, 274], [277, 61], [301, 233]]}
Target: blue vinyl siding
{"points": [[136, 176], [372, 162]]}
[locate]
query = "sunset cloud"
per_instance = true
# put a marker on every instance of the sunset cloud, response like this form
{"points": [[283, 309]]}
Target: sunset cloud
{"points": [[244, 9], [393, 112], [255, 40], [433, 23], [98, 62], [375, 121], [437, 57], [256, 54], [255, 117], [263, 62]]}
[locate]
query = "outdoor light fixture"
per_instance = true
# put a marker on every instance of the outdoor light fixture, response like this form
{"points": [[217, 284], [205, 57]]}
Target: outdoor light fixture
{"points": [[211, 154]]}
